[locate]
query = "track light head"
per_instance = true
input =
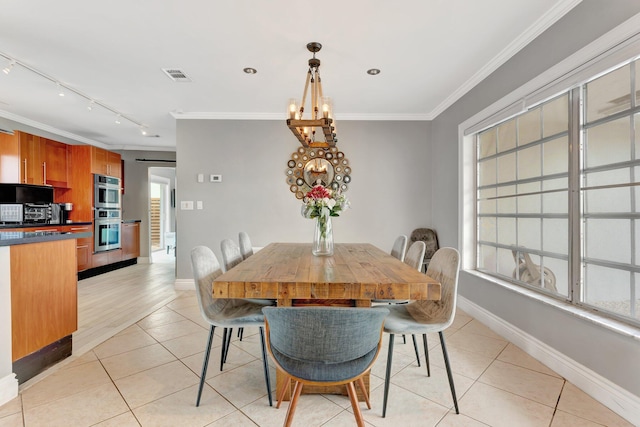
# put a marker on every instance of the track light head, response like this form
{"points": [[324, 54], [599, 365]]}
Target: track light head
{"points": [[8, 68]]}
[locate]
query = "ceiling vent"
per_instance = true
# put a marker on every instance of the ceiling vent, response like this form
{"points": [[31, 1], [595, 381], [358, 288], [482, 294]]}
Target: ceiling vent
{"points": [[176, 75]]}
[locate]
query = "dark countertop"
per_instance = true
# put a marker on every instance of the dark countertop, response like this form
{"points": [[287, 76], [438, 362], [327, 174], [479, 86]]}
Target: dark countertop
{"points": [[10, 238], [131, 220], [27, 226]]}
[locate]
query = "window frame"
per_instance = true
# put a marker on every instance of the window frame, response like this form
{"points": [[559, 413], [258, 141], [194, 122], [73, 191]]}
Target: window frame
{"points": [[600, 57]]}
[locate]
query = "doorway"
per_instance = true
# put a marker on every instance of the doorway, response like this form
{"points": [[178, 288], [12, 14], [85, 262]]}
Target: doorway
{"points": [[162, 215]]}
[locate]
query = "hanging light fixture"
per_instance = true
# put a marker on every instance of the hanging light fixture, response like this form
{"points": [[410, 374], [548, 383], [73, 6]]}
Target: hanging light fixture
{"points": [[319, 130]]}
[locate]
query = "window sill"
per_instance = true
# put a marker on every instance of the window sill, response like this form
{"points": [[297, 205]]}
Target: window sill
{"points": [[590, 316]]}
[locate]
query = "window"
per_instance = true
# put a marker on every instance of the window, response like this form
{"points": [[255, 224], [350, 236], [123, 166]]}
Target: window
{"points": [[540, 205]]}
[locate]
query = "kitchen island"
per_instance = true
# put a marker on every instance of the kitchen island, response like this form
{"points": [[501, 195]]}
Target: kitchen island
{"points": [[38, 303]]}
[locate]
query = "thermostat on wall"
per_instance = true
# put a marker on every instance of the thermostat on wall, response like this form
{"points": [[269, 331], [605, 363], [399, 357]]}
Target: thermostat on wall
{"points": [[215, 178]]}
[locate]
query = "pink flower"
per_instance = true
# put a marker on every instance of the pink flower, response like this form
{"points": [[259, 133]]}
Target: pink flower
{"points": [[319, 192]]}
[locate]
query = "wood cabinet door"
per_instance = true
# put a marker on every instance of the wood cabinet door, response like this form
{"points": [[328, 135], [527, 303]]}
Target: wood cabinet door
{"points": [[99, 161], [130, 240], [44, 299], [31, 164], [114, 165], [84, 246], [9, 159], [56, 157]]}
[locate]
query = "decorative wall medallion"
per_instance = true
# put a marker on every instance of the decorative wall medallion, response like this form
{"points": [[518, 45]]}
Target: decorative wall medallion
{"points": [[311, 166]]}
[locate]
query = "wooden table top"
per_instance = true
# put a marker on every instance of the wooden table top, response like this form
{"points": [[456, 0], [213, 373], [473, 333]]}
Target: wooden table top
{"points": [[356, 271]]}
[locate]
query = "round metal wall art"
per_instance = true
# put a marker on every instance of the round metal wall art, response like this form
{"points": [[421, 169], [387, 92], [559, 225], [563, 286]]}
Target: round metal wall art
{"points": [[308, 167]]}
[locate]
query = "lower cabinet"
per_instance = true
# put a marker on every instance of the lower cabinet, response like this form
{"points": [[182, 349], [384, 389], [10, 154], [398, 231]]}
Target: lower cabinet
{"points": [[43, 295], [84, 246], [130, 240]]}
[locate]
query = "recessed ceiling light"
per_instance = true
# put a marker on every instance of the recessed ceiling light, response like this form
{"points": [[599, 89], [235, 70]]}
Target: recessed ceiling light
{"points": [[250, 70], [373, 71]]}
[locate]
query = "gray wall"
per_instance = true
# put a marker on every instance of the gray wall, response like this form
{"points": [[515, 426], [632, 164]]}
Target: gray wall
{"points": [[610, 355], [389, 194], [135, 201]]}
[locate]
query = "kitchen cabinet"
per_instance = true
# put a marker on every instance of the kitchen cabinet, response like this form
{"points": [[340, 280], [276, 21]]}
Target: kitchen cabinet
{"points": [[56, 162], [130, 240], [31, 163], [43, 295], [84, 246], [30, 159], [21, 159], [105, 162]]}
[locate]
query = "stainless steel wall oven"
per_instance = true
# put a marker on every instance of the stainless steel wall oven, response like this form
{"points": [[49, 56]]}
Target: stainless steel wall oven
{"points": [[107, 230], [106, 192]]}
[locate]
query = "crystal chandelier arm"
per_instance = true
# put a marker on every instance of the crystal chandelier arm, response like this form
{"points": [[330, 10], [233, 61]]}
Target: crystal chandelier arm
{"points": [[304, 94]]}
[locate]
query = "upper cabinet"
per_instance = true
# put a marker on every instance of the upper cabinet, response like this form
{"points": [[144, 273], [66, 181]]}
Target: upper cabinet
{"points": [[31, 164], [30, 159], [105, 162], [56, 163]]}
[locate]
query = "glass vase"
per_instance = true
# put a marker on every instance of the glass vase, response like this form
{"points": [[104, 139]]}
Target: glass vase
{"points": [[323, 237]]}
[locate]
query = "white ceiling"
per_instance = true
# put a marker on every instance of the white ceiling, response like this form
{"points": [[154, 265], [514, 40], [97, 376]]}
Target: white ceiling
{"points": [[430, 52]]}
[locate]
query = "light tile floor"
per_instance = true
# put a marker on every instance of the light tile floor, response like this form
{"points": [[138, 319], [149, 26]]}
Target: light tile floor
{"points": [[147, 375]]}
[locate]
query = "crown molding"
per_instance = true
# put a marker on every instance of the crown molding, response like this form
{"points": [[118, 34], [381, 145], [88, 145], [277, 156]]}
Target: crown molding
{"points": [[538, 27], [275, 116], [47, 128]]}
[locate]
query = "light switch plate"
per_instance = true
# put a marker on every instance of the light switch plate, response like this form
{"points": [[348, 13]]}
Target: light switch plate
{"points": [[199, 204], [200, 177], [215, 178], [186, 205]]}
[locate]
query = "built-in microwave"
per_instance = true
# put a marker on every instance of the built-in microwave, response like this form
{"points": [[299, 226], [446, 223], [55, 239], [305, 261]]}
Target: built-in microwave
{"points": [[106, 192]]}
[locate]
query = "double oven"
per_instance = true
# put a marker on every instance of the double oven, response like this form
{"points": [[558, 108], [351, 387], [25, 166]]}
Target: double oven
{"points": [[107, 213]]}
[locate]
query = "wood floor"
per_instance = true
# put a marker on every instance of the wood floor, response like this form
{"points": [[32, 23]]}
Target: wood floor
{"points": [[111, 302]]}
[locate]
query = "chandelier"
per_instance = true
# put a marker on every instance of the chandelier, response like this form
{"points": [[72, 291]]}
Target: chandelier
{"points": [[318, 131]]}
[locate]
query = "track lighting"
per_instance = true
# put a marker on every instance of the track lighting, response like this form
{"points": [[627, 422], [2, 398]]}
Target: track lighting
{"points": [[63, 89], [8, 68]]}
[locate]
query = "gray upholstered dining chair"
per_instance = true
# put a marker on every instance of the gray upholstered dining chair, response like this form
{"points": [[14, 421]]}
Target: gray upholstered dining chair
{"points": [[232, 256], [399, 248], [413, 258], [324, 345], [422, 317], [246, 249], [226, 313]]}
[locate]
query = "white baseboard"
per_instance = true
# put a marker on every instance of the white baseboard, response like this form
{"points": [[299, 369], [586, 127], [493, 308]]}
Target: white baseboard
{"points": [[184, 285], [8, 388], [143, 260], [614, 397]]}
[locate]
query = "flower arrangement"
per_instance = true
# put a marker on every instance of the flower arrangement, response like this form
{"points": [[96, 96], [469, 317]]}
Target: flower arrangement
{"points": [[323, 203]]}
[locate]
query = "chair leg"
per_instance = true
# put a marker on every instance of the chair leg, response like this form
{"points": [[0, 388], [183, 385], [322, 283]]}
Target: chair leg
{"points": [[280, 397], [240, 333], [353, 397], [227, 345], [387, 377], [297, 389], [415, 347], [205, 364], [265, 363], [404, 339], [224, 345], [426, 354], [364, 392], [446, 362]]}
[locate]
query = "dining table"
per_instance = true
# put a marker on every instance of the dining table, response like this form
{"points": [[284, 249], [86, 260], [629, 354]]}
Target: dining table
{"points": [[353, 276]]}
